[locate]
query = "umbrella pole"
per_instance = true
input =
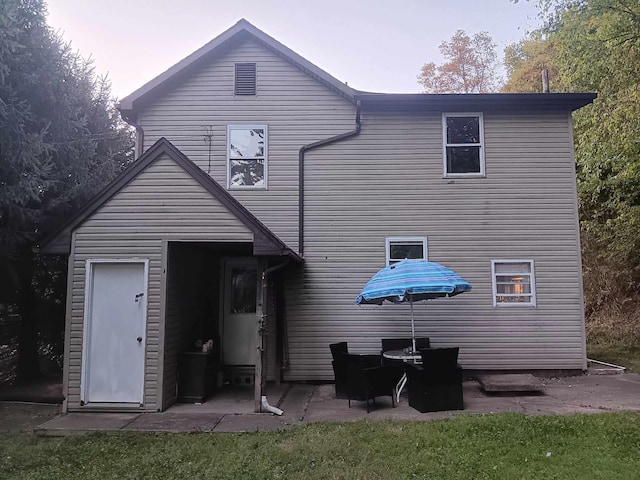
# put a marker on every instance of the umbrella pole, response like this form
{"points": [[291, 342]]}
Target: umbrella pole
{"points": [[413, 331]]}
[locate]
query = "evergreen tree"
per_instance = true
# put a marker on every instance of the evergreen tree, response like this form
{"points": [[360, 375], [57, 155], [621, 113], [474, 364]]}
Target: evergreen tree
{"points": [[60, 141]]}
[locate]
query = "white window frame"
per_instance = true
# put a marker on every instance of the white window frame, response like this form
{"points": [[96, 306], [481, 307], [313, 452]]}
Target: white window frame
{"points": [[231, 127], [446, 174], [532, 282], [390, 240]]}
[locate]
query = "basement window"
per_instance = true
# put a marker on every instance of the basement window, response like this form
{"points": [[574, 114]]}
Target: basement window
{"points": [[513, 283], [247, 156], [245, 83], [400, 248]]}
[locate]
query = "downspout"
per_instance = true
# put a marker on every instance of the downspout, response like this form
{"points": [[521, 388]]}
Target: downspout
{"points": [[303, 150], [139, 146], [264, 404], [139, 139]]}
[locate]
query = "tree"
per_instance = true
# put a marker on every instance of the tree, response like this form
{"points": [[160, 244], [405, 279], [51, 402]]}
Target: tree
{"points": [[601, 52], [470, 67], [60, 140], [524, 62], [25, 158], [596, 47]]}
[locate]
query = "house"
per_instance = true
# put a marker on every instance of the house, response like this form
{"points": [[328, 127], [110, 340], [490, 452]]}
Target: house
{"points": [[265, 195]]}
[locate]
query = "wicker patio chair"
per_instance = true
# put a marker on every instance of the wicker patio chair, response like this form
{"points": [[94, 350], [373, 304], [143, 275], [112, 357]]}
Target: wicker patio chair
{"points": [[436, 385], [367, 379], [339, 365]]}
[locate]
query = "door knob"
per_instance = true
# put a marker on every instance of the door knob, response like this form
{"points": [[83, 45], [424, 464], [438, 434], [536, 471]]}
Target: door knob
{"points": [[139, 296], [139, 339]]}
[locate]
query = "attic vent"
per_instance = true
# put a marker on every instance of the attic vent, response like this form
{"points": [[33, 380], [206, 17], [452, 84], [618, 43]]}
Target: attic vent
{"points": [[245, 78]]}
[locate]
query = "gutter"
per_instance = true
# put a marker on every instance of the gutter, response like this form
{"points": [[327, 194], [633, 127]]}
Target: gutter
{"points": [[303, 150]]}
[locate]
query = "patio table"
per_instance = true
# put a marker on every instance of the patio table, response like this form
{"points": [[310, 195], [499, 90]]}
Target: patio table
{"points": [[405, 356]]}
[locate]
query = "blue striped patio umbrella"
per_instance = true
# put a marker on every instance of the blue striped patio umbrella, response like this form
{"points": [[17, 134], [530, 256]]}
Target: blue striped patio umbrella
{"points": [[409, 281]]}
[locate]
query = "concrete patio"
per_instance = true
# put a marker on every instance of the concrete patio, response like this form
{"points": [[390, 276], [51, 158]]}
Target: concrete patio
{"points": [[304, 403]]}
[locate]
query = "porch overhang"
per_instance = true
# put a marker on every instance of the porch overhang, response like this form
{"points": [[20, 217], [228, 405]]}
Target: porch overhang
{"points": [[265, 242]]}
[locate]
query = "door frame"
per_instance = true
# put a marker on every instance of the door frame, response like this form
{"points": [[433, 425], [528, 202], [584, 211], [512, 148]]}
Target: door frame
{"points": [[224, 295], [86, 327]]}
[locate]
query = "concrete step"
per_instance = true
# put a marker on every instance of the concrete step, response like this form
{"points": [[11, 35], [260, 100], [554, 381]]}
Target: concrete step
{"points": [[510, 382]]}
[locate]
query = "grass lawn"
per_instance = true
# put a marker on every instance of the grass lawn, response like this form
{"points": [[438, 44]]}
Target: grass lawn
{"points": [[471, 447]]}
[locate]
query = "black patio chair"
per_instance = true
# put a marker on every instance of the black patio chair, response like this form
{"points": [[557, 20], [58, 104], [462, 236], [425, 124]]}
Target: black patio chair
{"points": [[436, 385], [339, 365], [367, 379], [400, 344]]}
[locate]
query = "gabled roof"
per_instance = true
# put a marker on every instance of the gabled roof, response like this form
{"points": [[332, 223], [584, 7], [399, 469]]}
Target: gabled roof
{"points": [[265, 242], [240, 31], [419, 102]]}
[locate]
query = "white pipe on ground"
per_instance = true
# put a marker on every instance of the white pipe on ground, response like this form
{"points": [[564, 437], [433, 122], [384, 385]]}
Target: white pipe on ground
{"points": [[270, 408], [613, 365]]}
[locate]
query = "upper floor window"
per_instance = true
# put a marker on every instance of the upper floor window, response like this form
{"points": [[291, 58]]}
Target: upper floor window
{"points": [[247, 156], [245, 83], [463, 135], [513, 283], [400, 248]]}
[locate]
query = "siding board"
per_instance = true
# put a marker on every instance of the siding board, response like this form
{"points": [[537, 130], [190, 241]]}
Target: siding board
{"points": [[297, 109], [388, 181]]}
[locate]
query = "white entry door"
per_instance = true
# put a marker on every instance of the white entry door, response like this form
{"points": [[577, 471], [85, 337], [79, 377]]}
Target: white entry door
{"points": [[240, 324], [114, 338]]}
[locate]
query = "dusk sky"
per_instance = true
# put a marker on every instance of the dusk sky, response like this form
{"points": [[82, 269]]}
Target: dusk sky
{"points": [[373, 45]]}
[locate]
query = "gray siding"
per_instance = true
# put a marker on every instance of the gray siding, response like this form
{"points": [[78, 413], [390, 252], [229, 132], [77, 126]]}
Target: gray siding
{"points": [[297, 109], [162, 203], [271, 341], [185, 283], [67, 325], [388, 182]]}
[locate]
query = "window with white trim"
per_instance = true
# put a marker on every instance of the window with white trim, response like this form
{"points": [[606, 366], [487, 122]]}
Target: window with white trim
{"points": [[400, 248], [247, 156], [513, 283], [463, 149]]}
